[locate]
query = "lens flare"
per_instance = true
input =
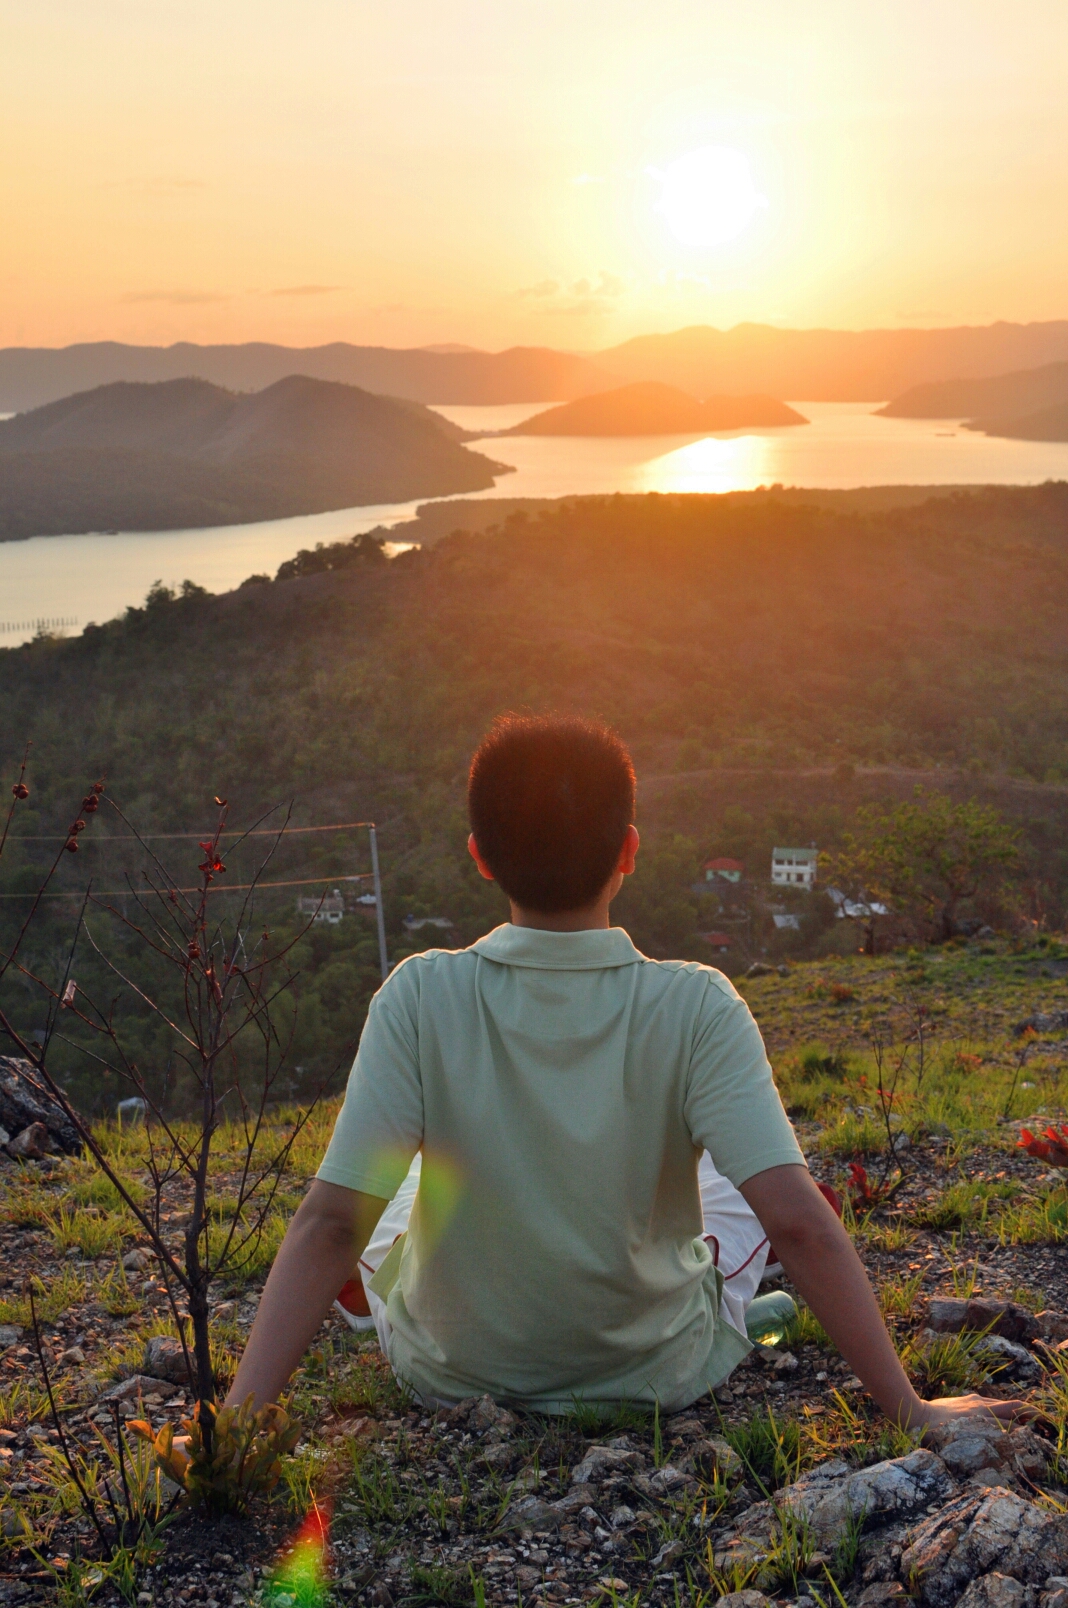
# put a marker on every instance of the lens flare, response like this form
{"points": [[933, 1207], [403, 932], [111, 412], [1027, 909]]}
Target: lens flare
{"points": [[300, 1580]]}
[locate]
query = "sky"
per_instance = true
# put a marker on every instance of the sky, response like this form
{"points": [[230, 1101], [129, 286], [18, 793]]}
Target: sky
{"points": [[540, 172]]}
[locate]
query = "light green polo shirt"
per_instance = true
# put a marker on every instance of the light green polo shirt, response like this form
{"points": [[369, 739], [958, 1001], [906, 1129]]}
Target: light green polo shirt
{"points": [[561, 1087]]}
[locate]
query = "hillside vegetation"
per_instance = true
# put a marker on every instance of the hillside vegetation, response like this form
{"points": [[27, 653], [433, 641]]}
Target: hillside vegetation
{"points": [[771, 665], [186, 453]]}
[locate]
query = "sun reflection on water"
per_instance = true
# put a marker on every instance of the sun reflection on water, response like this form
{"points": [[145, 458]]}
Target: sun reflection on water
{"points": [[714, 463]]}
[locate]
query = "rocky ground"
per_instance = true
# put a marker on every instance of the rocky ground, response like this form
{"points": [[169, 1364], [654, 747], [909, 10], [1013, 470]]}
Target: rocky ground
{"points": [[785, 1482]]}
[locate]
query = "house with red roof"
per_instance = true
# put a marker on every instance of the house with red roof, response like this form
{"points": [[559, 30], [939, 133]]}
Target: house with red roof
{"points": [[723, 869]]}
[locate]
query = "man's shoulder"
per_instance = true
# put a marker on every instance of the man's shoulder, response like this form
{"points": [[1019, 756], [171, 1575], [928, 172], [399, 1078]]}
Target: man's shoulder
{"points": [[692, 975], [410, 975]]}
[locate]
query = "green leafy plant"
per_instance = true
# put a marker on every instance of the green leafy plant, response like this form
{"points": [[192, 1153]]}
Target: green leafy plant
{"points": [[241, 1458]]}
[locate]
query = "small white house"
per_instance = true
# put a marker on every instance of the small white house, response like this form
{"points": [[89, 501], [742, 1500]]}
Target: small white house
{"points": [[328, 907], [795, 868], [417, 923]]}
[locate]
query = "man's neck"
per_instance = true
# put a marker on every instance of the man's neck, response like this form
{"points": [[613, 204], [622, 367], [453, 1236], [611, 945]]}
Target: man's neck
{"points": [[594, 916]]}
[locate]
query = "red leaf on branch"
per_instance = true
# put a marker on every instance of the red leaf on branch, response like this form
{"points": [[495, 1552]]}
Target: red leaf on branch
{"points": [[20, 790]]}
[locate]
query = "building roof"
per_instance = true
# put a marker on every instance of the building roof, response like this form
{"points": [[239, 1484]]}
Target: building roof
{"points": [[718, 940], [795, 854], [723, 863]]}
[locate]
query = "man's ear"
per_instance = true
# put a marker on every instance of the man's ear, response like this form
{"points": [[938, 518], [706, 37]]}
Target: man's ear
{"points": [[483, 868], [627, 853]]}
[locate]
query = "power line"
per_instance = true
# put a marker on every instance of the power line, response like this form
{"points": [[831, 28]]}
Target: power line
{"points": [[155, 837], [232, 887]]}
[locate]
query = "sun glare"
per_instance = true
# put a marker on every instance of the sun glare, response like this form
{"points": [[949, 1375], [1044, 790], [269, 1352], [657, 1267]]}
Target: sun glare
{"points": [[708, 197]]}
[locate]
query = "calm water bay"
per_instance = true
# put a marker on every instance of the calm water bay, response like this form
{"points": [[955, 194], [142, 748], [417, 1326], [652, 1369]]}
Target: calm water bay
{"points": [[81, 578]]}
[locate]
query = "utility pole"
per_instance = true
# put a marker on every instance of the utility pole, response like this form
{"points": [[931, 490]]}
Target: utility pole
{"points": [[383, 958]]}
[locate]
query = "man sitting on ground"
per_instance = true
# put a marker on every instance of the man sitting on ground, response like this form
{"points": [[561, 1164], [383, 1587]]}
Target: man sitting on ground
{"points": [[561, 1090]]}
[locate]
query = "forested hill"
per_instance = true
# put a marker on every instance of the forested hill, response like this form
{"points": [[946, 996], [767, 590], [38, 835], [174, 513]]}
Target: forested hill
{"points": [[185, 453], [763, 632], [753, 651]]}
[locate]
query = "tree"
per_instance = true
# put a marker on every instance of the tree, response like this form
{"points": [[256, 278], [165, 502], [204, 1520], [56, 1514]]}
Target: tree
{"points": [[927, 857]]}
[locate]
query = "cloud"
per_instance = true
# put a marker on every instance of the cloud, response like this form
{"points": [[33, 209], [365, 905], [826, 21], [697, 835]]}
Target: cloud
{"points": [[588, 178], [544, 287], [177, 298], [306, 290], [580, 298]]}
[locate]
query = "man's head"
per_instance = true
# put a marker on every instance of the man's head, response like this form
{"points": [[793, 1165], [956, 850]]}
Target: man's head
{"points": [[551, 801]]}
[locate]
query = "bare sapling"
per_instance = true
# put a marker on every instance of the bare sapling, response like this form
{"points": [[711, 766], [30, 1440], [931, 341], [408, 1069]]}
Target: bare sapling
{"points": [[224, 1019]]}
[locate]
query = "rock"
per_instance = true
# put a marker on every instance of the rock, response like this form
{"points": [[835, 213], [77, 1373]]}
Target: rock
{"points": [[994, 1591], [668, 1553], [880, 1592], [669, 1479], [32, 1144], [976, 1533], [9, 1335], [833, 1496], [684, 1428], [759, 968], [621, 1516], [977, 1442], [577, 1498], [1052, 1326], [601, 1461], [743, 1599], [527, 1578], [24, 1099], [487, 1415], [1056, 1592], [1043, 1022], [499, 1457], [531, 1513], [225, 1312], [713, 1458], [136, 1385], [1018, 1363], [165, 1359], [73, 1354], [947, 1315], [137, 1260]]}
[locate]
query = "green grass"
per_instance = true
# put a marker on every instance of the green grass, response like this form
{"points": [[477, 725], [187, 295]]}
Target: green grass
{"points": [[852, 1136], [63, 1290], [967, 1204], [805, 1329], [769, 1447], [897, 1297], [1039, 1221], [949, 1364], [91, 1231]]}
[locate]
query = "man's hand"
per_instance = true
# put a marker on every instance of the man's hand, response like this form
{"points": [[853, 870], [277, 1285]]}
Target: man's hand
{"points": [[944, 1409], [818, 1255], [320, 1252]]}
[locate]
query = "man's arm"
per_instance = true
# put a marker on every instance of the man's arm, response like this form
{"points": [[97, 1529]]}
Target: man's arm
{"points": [[818, 1255], [322, 1247]]}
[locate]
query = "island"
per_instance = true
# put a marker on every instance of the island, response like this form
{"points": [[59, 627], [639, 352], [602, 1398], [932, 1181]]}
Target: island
{"points": [[650, 408], [1048, 424], [185, 453], [997, 396]]}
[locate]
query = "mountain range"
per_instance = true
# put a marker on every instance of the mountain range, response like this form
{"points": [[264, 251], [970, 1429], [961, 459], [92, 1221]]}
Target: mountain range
{"points": [[813, 364], [187, 453]]}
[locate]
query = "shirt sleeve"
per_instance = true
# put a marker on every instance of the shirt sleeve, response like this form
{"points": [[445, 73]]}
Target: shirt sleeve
{"points": [[380, 1125], [732, 1105]]}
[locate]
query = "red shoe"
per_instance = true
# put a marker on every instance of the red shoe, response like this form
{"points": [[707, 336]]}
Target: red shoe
{"points": [[352, 1304], [773, 1266]]}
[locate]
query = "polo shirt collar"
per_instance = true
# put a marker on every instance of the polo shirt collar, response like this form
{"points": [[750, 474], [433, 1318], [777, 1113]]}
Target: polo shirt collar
{"points": [[589, 950]]}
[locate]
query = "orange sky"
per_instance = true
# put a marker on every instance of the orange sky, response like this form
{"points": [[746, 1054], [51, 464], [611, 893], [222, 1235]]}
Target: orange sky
{"points": [[486, 171]]}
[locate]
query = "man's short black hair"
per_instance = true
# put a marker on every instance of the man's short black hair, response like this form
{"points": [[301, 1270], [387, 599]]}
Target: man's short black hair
{"points": [[550, 799]]}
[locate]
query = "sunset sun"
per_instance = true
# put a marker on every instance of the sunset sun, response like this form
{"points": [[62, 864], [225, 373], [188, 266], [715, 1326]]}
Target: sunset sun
{"points": [[708, 197]]}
